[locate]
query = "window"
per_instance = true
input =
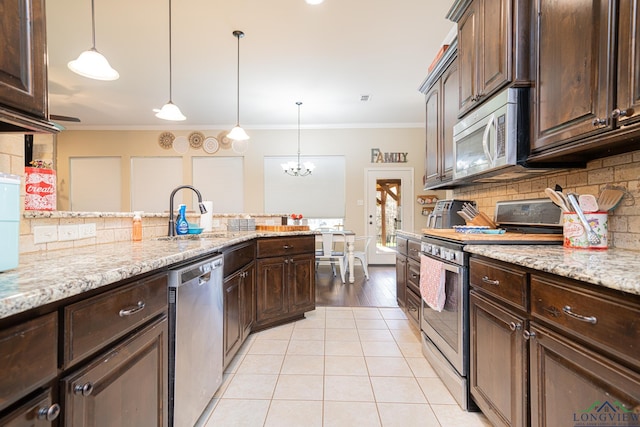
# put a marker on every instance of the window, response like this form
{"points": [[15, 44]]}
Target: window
{"points": [[319, 195]]}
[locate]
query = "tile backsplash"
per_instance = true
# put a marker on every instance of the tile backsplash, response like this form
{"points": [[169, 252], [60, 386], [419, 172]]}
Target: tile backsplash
{"points": [[619, 171]]}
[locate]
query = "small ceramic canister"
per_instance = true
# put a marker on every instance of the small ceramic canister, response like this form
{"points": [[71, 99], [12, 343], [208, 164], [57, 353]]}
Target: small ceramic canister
{"points": [[575, 235]]}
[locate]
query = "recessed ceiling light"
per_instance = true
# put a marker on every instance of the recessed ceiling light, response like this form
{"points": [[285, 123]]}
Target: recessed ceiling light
{"points": [[314, 1]]}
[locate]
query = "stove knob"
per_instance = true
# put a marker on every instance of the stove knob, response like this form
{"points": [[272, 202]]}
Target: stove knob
{"points": [[435, 251]]}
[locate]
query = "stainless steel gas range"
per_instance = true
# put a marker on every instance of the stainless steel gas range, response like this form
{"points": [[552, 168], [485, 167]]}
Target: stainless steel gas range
{"points": [[445, 334]]}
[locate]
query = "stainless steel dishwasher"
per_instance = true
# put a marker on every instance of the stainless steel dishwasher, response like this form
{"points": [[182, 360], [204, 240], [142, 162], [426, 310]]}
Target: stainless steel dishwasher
{"points": [[195, 338]]}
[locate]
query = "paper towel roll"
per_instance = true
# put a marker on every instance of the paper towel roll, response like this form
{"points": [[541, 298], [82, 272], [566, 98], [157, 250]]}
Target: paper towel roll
{"points": [[206, 219]]}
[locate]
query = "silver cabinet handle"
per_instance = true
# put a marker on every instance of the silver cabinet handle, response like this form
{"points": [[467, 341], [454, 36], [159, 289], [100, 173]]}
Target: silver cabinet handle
{"points": [[287, 247], [84, 389], [485, 279], [589, 319], [50, 413], [515, 326], [599, 122], [129, 311], [621, 113], [528, 335]]}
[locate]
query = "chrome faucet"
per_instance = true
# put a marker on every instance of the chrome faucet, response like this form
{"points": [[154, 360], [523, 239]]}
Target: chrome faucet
{"points": [[172, 221]]}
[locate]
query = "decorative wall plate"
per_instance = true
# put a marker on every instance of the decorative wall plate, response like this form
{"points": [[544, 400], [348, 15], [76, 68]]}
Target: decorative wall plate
{"points": [[210, 145], [165, 140], [223, 140], [181, 144], [196, 139]]}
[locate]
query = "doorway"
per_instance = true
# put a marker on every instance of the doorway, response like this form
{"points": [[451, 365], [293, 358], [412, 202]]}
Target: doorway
{"points": [[389, 196]]}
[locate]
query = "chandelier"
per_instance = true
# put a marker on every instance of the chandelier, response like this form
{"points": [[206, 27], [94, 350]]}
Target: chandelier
{"points": [[296, 168]]}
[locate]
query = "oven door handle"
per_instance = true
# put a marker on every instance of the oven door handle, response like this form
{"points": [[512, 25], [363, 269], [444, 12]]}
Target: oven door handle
{"points": [[485, 140], [453, 268]]}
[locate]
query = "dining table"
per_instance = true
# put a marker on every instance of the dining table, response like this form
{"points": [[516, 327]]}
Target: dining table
{"points": [[338, 236]]}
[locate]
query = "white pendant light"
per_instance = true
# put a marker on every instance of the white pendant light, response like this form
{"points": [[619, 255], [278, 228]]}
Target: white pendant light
{"points": [[314, 2], [237, 133], [91, 63], [298, 169], [170, 111]]}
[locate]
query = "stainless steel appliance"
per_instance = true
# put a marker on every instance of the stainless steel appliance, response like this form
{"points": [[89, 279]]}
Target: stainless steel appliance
{"points": [[195, 338], [445, 334], [492, 142], [445, 214]]}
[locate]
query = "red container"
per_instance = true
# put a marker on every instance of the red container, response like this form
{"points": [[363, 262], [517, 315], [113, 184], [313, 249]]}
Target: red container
{"points": [[40, 189]]}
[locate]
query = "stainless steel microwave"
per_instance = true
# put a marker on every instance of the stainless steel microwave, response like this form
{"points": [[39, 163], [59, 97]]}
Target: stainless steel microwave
{"points": [[493, 137]]}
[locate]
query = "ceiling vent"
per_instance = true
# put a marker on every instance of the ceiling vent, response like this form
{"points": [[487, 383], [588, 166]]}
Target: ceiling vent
{"points": [[365, 98]]}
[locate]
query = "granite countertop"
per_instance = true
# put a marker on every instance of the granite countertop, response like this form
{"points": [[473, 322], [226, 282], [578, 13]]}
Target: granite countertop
{"points": [[611, 268], [45, 277], [410, 234]]}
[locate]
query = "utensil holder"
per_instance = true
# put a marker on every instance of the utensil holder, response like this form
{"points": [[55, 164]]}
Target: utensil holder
{"points": [[575, 235]]}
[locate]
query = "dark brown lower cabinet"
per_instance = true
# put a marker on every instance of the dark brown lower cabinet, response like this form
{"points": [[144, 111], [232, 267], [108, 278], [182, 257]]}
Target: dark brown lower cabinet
{"points": [[125, 386], [401, 279], [285, 288], [574, 386], [498, 362], [39, 411], [239, 309]]}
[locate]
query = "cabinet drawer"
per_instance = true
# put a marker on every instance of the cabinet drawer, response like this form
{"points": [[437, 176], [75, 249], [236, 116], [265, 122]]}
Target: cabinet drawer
{"points": [[610, 324], [28, 357], [401, 245], [413, 308], [237, 257], [506, 283], [33, 413], [282, 246], [413, 276], [91, 324], [413, 249]]}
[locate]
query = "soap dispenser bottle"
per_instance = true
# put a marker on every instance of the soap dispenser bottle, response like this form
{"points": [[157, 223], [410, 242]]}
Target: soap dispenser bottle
{"points": [[182, 226], [137, 226]]}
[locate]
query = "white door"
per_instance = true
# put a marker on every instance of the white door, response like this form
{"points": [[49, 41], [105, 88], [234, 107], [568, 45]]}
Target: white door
{"points": [[387, 190]]}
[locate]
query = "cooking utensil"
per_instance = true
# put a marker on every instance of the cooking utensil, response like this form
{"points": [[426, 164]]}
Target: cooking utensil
{"points": [[557, 198], [591, 235], [609, 199], [588, 203]]}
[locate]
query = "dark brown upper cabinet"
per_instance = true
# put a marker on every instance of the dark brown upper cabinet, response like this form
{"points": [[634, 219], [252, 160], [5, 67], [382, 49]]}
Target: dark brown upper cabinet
{"points": [[23, 67], [493, 50], [441, 103], [586, 101]]}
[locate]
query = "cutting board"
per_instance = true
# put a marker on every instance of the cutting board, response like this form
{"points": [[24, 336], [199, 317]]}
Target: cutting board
{"points": [[512, 238]]}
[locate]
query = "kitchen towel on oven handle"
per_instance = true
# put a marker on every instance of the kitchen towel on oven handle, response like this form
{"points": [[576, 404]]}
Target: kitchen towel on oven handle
{"points": [[432, 278]]}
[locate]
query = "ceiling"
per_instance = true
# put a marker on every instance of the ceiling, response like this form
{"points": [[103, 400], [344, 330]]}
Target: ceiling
{"points": [[326, 56]]}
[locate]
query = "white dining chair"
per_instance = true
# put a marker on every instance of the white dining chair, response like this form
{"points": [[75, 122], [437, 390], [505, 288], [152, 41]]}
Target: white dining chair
{"points": [[333, 252], [362, 255]]}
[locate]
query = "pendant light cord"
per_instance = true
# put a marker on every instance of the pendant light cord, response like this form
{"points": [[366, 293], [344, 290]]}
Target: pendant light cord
{"points": [[238, 34], [170, 68], [93, 25], [298, 104], [238, 84]]}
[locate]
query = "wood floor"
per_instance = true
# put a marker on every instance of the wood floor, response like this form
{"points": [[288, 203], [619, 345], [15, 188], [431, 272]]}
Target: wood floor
{"points": [[378, 291]]}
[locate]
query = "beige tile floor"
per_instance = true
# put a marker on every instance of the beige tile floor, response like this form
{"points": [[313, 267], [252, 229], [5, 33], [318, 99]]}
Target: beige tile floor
{"points": [[341, 366]]}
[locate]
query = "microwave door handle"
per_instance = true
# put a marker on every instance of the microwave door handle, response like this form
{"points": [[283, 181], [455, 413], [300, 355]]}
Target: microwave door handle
{"points": [[485, 139]]}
